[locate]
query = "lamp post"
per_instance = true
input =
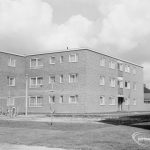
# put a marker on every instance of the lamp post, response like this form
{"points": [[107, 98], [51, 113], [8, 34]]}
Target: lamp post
{"points": [[26, 96], [51, 108]]}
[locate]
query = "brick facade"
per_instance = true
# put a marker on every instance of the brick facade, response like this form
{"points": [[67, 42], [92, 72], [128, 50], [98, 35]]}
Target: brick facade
{"points": [[81, 86]]}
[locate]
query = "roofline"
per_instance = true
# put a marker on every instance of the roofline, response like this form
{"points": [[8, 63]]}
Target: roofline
{"points": [[88, 49], [126, 61], [75, 49], [10, 53]]}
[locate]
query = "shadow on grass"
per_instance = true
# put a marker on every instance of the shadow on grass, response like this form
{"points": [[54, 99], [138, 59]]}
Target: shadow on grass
{"points": [[139, 121]]}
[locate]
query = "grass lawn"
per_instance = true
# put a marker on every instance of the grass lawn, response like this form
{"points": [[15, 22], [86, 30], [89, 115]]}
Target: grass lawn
{"points": [[85, 136]]}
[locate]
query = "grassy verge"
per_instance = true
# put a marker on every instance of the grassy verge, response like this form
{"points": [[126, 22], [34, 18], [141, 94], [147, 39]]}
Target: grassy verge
{"points": [[69, 135]]}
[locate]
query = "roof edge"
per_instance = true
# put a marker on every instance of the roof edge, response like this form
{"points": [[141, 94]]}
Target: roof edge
{"points": [[88, 49], [10, 53], [74, 49]]}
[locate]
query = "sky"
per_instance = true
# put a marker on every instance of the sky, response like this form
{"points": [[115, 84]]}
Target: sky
{"points": [[120, 28]]}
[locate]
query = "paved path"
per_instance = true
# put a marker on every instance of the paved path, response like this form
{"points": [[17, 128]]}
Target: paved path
{"points": [[51, 119], [24, 147]]}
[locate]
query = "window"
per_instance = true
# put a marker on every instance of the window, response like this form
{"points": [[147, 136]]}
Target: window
{"points": [[36, 82], [35, 101], [134, 86], [35, 63], [102, 80], [112, 82], [134, 70], [52, 60], [61, 59], [12, 62], [51, 79], [51, 99], [127, 84], [10, 101], [127, 101], [120, 83], [111, 101], [111, 65], [134, 101], [120, 66], [33, 82], [11, 81], [39, 101], [102, 100], [73, 99], [102, 62], [127, 68], [39, 81], [61, 78], [73, 58], [73, 78], [32, 101], [61, 99]]}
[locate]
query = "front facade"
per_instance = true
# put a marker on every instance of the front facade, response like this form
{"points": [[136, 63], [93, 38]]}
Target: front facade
{"points": [[76, 81]]}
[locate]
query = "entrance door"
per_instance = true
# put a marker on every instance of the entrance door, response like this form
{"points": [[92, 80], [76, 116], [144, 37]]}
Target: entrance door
{"points": [[120, 103]]}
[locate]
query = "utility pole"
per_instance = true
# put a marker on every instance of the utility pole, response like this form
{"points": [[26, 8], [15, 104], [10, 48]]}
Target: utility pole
{"points": [[26, 97]]}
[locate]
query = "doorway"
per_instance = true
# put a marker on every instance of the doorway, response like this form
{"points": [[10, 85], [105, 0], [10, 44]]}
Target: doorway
{"points": [[120, 103]]}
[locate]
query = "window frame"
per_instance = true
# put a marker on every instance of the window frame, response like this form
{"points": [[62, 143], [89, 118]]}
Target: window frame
{"points": [[112, 84], [50, 81], [75, 80], [61, 60], [51, 61], [75, 58], [61, 99], [35, 104], [103, 100], [13, 83], [102, 80], [120, 66], [76, 99], [113, 100], [10, 101], [127, 69], [36, 85], [102, 62], [61, 78], [128, 85], [11, 62], [36, 63], [120, 85], [112, 65]]}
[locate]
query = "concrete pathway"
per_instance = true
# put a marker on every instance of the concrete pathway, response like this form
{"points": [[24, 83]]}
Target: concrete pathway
{"points": [[24, 147], [51, 119]]}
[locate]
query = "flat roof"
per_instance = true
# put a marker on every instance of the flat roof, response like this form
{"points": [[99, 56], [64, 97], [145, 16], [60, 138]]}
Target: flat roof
{"points": [[75, 49]]}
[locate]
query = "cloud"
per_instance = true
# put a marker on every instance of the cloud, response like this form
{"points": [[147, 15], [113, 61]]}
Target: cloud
{"points": [[72, 33], [123, 26], [125, 23], [27, 25], [22, 22]]}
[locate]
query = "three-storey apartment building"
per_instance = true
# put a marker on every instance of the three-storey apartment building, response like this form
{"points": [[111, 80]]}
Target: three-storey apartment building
{"points": [[75, 81]]}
